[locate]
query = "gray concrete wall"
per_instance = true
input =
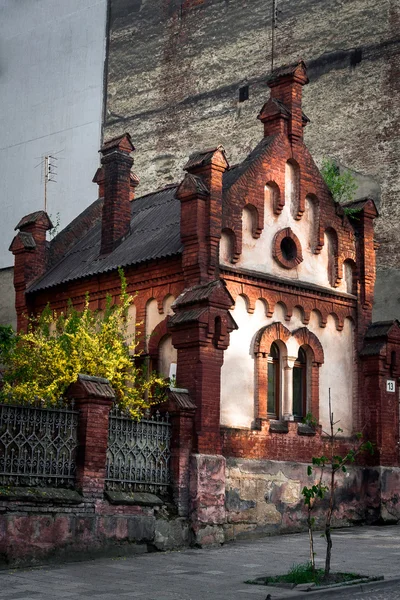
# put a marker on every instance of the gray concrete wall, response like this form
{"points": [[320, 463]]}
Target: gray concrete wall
{"points": [[175, 69], [51, 96], [8, 316]]}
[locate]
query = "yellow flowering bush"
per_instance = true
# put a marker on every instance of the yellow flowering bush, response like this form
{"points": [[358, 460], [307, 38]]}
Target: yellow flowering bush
{"points": [[43, 362]]}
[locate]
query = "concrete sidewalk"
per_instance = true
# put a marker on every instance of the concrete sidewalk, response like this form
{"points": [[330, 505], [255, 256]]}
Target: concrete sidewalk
{"points": [[212, 574]]}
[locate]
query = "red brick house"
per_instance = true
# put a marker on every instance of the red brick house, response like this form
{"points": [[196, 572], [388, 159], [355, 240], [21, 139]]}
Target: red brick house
{"points": [[259, 288]]}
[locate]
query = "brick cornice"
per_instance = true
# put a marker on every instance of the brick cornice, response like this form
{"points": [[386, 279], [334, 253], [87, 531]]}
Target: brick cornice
{"points": [[295, 287]]}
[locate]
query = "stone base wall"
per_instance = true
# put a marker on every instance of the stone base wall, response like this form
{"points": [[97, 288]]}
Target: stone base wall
{"points": [[264, 497], [39, 530]]}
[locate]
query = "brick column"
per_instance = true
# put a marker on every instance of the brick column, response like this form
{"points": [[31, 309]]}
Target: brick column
{"points": [[200, 331], [381, 377], [199, 369], [93, 398], [181, 410]]}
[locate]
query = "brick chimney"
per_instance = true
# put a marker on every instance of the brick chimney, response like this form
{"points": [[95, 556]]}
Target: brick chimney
{"points": [[282, 113], [99, 179], [116, 173], [30, 251]]}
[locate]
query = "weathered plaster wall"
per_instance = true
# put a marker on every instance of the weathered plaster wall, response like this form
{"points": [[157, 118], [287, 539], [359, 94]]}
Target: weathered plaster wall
{"points": [[238, 370], [36, 531], [175, 68], [8, 316], [265, 497]]}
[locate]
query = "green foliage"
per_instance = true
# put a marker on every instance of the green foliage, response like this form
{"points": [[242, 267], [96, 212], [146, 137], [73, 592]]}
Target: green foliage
{"points": [[342, 186], [305, 573], [7, 341], [312, 493], [54, 230], [310, 420], [45, 361]]}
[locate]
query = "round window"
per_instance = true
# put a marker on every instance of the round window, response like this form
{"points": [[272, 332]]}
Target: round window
{"points": [[288, 248]]}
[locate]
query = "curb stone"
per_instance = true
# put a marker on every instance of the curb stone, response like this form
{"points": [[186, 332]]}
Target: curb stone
{"points": [[345, 591]]}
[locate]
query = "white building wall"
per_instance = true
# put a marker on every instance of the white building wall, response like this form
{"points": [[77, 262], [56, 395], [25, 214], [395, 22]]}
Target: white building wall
{"points": [[51, 94], [238, 370]]}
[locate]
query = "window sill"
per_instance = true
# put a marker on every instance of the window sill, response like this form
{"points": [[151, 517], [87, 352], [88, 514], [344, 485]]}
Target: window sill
{"points": [[278, 427], [303, 429]]}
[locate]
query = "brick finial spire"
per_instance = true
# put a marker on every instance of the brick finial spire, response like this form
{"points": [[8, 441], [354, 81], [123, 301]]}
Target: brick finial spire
{"points": [[29, 248], [200, 194], [282, 113], [116, 170]]}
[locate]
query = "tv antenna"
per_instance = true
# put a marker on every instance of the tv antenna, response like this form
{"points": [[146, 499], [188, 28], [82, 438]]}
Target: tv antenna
{"points": [[49, 164]]}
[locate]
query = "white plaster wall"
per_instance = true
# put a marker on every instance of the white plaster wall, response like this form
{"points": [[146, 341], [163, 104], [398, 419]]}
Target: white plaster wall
{"points": [[238, 370], [8, 315], [257, 253], [131, 327], [154, 317], [51, 93], [337, 373], [167, 355]]}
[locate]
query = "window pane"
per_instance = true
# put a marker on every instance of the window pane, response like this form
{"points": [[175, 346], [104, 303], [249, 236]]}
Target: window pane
{"points": [[274, 351], [271, 405], [301, 357], [298, 392]]}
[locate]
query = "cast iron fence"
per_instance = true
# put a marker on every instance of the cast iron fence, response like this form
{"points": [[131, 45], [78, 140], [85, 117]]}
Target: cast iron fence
{"points": [[38, 445], [138, 453]]}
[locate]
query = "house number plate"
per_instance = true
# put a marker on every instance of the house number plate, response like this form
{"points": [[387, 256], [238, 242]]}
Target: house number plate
{"points": [[390, 385]]}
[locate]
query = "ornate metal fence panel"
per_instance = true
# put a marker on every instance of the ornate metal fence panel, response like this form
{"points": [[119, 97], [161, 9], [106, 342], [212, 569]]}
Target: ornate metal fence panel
{"points": [[38, 446], [138, 453]]}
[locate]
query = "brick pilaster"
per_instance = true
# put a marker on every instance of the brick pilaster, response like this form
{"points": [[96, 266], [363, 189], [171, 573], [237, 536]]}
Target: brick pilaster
{"points": [[181, 410], [93, 398]]}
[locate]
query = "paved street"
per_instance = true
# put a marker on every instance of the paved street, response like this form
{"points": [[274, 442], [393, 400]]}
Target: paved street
{"points": [[215, 574]]}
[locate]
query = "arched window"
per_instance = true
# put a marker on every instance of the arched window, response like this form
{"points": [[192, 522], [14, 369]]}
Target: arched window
{"points": [[273, 382], [300, 385]]}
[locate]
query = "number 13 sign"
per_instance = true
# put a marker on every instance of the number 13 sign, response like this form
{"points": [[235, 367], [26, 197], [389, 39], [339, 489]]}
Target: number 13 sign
{"points": [[390, 385]]}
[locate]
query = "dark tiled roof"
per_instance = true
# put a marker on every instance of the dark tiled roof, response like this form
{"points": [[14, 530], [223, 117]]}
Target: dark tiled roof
{"points": [[233, 174], [372, 348], [285, 70], [74, 232], [181, 398], [359, 204], [25, 239], [198, 159], [155, 227], [380, 329], [197, 293], [187, 316], [32, 218]]}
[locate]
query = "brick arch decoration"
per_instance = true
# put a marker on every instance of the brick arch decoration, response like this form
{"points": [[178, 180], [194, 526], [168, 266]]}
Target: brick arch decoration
{"points": [[305, 337], [236, 245], [262, 345], [257, 219], [278, 200], [269, 334], [156, 336]]}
